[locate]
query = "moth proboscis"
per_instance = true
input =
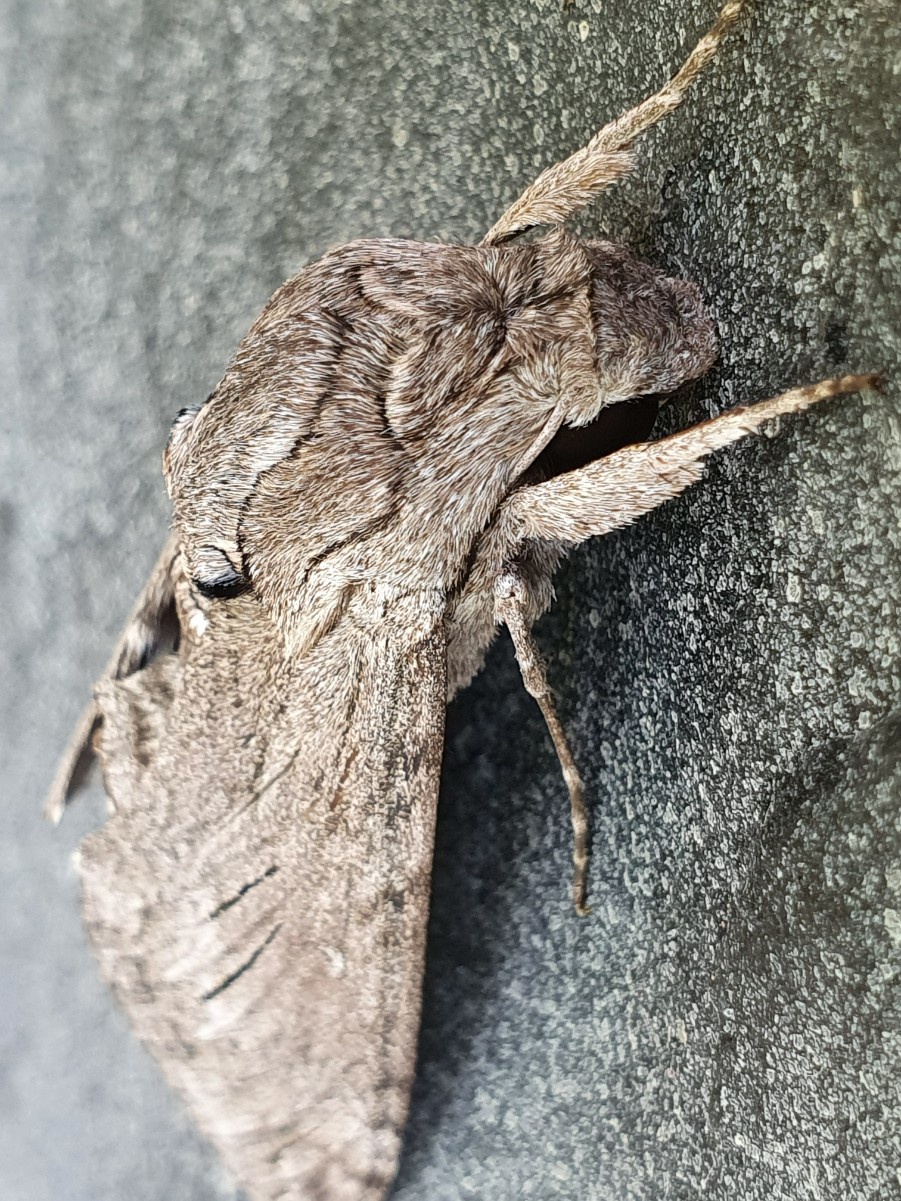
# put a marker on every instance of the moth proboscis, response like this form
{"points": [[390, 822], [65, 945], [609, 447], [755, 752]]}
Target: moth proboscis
{"points": [[404, 446]]}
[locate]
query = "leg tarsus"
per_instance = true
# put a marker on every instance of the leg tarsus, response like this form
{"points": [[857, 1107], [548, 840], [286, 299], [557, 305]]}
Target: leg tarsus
{"points": [[565, 187], [511, 608], [613, 491]]}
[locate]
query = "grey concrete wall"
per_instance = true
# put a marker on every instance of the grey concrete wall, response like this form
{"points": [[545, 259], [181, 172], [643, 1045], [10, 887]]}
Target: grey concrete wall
{"points": [[725, 1024]]}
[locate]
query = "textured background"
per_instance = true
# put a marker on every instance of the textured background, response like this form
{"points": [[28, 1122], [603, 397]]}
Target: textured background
{"points": [[725, 1024]]}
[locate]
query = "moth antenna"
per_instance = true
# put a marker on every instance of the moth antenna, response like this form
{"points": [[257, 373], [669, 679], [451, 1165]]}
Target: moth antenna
{"points": [[566, 187], [510, 608]]}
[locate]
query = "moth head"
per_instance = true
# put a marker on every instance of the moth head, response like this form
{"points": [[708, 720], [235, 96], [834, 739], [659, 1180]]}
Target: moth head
{"points": [[650, 334], [389, 398], [215, 454]]}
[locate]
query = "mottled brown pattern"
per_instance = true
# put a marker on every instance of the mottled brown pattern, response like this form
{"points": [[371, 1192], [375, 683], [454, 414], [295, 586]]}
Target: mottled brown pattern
{"points": [[361, 500]]}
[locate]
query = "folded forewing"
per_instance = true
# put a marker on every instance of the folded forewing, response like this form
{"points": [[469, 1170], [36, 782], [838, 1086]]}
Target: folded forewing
{"points": [[258, 902]]}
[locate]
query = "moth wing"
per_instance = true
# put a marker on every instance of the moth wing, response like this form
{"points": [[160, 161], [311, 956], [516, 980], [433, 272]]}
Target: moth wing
{"points": [[258, 902], [149, 624]]}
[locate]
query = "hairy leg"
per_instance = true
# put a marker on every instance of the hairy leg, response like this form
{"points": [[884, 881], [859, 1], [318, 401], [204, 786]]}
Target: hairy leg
{"points": [[511, 607], [614, 491], [609, 493], [564, 188]]}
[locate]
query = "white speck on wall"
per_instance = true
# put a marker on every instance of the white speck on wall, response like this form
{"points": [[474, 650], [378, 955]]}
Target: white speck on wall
{"points": [[793, 590], [892, 919], [584, 31]]}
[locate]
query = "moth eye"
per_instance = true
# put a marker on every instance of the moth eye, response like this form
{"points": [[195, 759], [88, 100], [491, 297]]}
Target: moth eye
{"points": [[216, 577], [223, 588]]}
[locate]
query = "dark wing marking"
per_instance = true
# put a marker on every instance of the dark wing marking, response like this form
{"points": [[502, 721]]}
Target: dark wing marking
{"points": [[258, 902]]}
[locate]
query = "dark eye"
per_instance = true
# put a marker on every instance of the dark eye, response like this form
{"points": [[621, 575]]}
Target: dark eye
{"points": [[216, 576], [224, 587]]}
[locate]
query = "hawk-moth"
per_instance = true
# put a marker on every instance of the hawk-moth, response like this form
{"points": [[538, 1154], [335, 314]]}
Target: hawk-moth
{"points": [[404, 445]]}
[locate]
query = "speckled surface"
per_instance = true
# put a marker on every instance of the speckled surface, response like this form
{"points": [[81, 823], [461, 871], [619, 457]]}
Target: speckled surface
{"points": [[726, 1023]]}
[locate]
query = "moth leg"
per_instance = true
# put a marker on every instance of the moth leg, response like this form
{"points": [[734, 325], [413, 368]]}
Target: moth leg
{"points": [[147, 626], [613, 491], [564, 188], [511, 607]]}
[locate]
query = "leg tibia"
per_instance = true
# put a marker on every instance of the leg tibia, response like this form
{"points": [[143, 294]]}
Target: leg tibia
{"points": [[510, 608], [614, 491], [564, 188]]}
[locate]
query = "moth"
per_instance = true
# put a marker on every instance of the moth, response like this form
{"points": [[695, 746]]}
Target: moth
{"points": [[402, 449]]}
